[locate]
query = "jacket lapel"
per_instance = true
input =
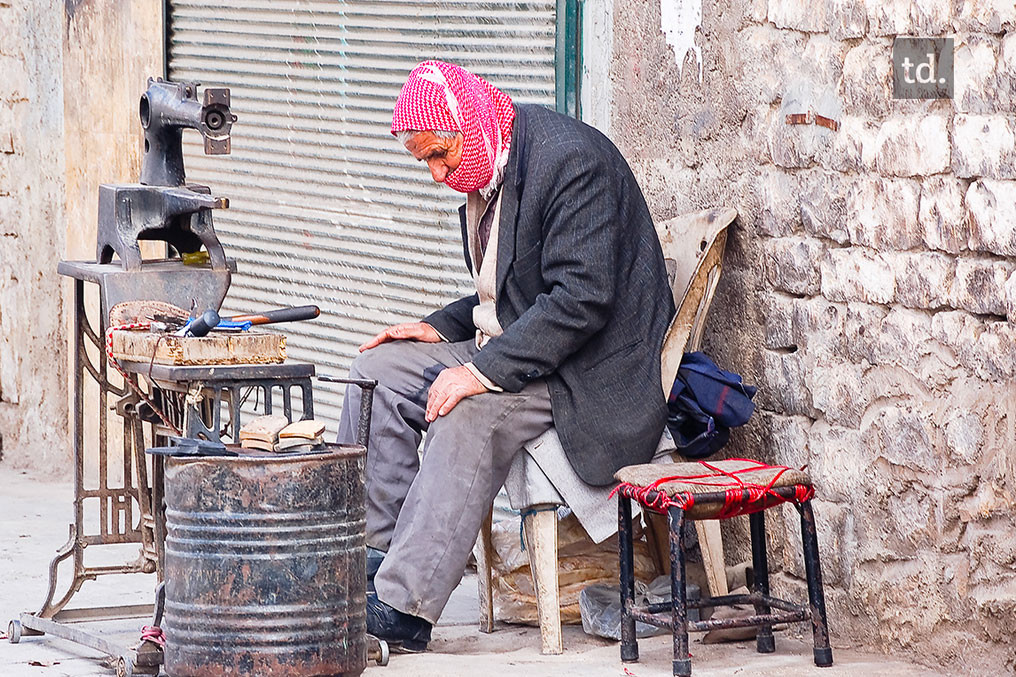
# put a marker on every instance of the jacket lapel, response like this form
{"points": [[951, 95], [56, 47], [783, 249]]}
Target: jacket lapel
{"points": [[465, 239], [510, 188]]}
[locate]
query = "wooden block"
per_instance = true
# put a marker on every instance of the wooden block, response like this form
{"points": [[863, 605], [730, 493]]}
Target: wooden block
{"points": [[308, 429], [711, 543], [298, 443], [257, 444], [251, 347], [263, 429]]}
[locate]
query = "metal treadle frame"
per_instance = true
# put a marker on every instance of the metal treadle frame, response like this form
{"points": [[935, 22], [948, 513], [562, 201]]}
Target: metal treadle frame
{"points": [[193, 399]]}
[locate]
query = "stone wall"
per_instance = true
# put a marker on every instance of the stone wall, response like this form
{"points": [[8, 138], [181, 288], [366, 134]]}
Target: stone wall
{"points": [[869, 290], [33, 358]]}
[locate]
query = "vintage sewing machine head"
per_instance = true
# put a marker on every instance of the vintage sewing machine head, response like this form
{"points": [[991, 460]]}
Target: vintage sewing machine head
{"points": [[163, 207]]}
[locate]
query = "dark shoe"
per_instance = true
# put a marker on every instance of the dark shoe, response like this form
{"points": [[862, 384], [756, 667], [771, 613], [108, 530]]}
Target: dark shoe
{"points": [[411, 633], [374, 559]]}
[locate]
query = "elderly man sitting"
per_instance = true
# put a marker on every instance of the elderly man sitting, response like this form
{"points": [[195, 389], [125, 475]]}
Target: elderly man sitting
{"points": [[564, 330]]}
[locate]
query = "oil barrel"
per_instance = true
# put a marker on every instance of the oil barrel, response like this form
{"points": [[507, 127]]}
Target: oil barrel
{"points": [[265, 565]]}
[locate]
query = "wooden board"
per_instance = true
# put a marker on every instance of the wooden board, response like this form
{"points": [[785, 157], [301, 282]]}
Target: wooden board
{"points": [[250, 347]]}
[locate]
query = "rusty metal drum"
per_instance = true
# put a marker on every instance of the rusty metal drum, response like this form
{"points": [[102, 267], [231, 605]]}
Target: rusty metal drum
{"points": [[265, 565]]}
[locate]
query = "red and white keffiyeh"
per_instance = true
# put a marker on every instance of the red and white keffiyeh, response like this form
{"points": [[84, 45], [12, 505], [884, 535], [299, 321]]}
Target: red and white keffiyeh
{"points": [[443, 96]]}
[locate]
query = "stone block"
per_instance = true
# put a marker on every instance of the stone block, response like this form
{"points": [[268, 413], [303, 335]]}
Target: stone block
{"points": [[901, 339], [837, 392], [861, 328], [975, 87], [783, 389], [985, 16], [857, 274], [882, 213], [997, 347], [923, 279], [987, 349], [819, 325], [889, 18], [984, 145], [835, 536], [776, 315], [942, 216], [853, 147], [771, 56], [964, 435], [785, 438], [903, 434], [847, 19], [866, 85], [837, 461], [822, 59], [1010, 299], [756, 10], [979, 285], [1005, 74], [792, 264], [799, 16], [823, 204], [779, 202], [799, 146], [913, 146], [992, 209], [931, 17]]}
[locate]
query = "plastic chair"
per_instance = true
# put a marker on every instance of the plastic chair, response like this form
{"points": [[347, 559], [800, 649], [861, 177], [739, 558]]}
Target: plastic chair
{"points": [[693, 247]]}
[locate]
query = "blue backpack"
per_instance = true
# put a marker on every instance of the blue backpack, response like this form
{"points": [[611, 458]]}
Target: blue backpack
{"points": [[705, 403]]}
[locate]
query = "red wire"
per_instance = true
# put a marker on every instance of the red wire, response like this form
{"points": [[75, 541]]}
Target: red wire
{"points": [[733, 499], [126, 377]]}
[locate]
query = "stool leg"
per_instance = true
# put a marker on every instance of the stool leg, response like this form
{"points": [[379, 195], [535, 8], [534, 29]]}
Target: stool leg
{"points": [[484, 575], [679, 593], [540, 529], [816, 597], [764, 640], [625, 549]]}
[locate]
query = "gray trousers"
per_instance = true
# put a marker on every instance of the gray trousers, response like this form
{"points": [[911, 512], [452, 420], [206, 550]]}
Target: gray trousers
{"points": [[426, 514]]}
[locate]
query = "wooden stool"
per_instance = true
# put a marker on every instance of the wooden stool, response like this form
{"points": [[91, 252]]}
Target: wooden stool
{"points": [[718, 490]]}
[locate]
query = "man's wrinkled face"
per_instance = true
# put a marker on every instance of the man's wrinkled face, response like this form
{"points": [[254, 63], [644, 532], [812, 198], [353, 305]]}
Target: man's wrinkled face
{"points": [[441, 155]]}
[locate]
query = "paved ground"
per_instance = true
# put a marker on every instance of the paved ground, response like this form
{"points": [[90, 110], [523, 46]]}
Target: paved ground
{"points": [[33, 523]]}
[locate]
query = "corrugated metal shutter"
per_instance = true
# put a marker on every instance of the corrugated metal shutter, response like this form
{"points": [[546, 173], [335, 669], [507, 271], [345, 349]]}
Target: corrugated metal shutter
{"points": [[326, 207]]}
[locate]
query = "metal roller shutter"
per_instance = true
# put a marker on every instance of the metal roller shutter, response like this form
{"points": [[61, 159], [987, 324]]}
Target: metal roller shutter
{"points": [[326, 207]]}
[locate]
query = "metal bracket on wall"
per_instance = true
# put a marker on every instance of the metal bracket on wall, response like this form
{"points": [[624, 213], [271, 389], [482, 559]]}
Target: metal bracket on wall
{"points": [[812, 118]]}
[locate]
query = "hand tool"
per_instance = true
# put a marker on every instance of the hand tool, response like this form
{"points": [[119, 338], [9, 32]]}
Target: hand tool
{"points": [[199, 326], [292, 314]]}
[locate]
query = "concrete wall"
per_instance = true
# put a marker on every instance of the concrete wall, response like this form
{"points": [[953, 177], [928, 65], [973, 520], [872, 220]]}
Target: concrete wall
{"points": [[869, 288], [33, 417]]}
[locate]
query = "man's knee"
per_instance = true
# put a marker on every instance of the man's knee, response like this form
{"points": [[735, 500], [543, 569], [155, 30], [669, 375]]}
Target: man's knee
{"points": [[374, 363]]}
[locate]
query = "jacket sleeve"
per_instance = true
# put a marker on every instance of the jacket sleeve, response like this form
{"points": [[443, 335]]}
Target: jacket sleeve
{"points": [[455, 321], [581, 230]]}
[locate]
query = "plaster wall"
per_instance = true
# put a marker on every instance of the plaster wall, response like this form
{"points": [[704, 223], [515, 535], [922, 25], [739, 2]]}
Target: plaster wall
{"points": [[70, 77], [33, 419], [869, 290]]}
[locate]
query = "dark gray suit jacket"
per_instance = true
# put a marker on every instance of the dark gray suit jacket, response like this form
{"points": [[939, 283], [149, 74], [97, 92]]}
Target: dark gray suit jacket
{"points": [[582, 293]]}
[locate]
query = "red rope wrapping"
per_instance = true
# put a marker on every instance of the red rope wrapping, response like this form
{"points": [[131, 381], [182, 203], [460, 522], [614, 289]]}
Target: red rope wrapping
{"points": [[126, 377], [759, 498], [153, 634]]}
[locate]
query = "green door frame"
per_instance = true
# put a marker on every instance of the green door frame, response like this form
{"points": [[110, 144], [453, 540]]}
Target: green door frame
{"points": [[568, 57]]}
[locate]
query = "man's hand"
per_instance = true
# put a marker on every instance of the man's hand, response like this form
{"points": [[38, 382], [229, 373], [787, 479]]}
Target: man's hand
{"points": [[407, 331], [449, 388]]}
